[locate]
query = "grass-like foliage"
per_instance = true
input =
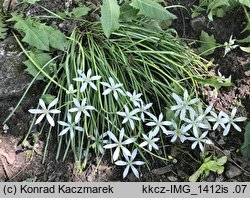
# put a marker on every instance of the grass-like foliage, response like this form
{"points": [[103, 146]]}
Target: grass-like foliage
{"points": [[98, 79]]}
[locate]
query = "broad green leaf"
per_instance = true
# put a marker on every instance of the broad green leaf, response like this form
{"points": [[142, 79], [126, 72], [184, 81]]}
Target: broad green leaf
{"points": [[30, 1], [245, 149], [128, 13], [245, 40], [34, 36], [245, 49], [110, 12], [208, 43], [56, 38], [80, 11], [245, 2], [41, 59], [221, 161], [48, 98], [37, 37], [152, 10], [246, 28]]}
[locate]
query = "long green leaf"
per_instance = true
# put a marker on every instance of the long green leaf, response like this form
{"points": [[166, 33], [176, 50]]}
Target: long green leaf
{"points": [[110, 12], [152, 9], [245, 149]]}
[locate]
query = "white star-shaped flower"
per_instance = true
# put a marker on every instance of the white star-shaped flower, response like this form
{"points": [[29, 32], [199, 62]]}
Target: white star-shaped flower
{"points": [[183, 105], [229, 45], [46, 111], [230, 121], [112, 87], [70, 126], [71, 90], [86, 79], [81, 108], [178, 132], [198, 140], [134, 98], [158, 123], [143, 109], [99, 141], [129, 116], [119, 144], [129, 163], [150, 141]]}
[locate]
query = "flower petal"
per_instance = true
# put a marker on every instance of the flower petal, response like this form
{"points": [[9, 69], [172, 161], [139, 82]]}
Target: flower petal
{"points": [[53, 103]]}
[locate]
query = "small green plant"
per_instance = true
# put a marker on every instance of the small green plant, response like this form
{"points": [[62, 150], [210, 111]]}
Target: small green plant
{"points": [[209, 164]]}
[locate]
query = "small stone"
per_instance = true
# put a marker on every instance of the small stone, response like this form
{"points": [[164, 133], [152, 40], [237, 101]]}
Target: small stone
{"points": [[163, 170], [172, 178], [233, 171], [198, 24], [5, 128], [227, 153], [221, 142], [182, 174]]}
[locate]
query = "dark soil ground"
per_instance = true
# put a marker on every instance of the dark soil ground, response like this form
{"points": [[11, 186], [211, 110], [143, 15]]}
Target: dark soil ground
{"points": [[25, 164]]}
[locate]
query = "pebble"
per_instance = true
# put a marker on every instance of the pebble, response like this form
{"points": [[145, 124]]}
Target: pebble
{"points": [[233, 171]]}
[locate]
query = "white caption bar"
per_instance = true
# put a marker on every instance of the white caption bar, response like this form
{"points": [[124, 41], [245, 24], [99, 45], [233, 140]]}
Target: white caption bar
{"points": [[122, 189]]}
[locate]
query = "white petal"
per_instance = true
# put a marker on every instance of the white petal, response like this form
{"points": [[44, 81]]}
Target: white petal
{"points": [[78, 79], [50, 119], [185, 97], [112, 136], [63, 123], [78, 116], [194, 145], [83, 87], [125, 172], [135, 171], [133, 155], [35, 111], [125, 151], [240, 119], [121, 163], [226, 131], [151, 124], [39, 119], [63, 131], [42, 104], [109, 146], [143, 144], [53, 103], [54, 111], [129, 141], [105, 84], [115, 94], [177, 98], [93, 85], [138, 163], [107, 91], [95, 78], [76, 102], [201, 147], [116, 153], [233, 112], [73, 109], [236, 127], [78, 128]]}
